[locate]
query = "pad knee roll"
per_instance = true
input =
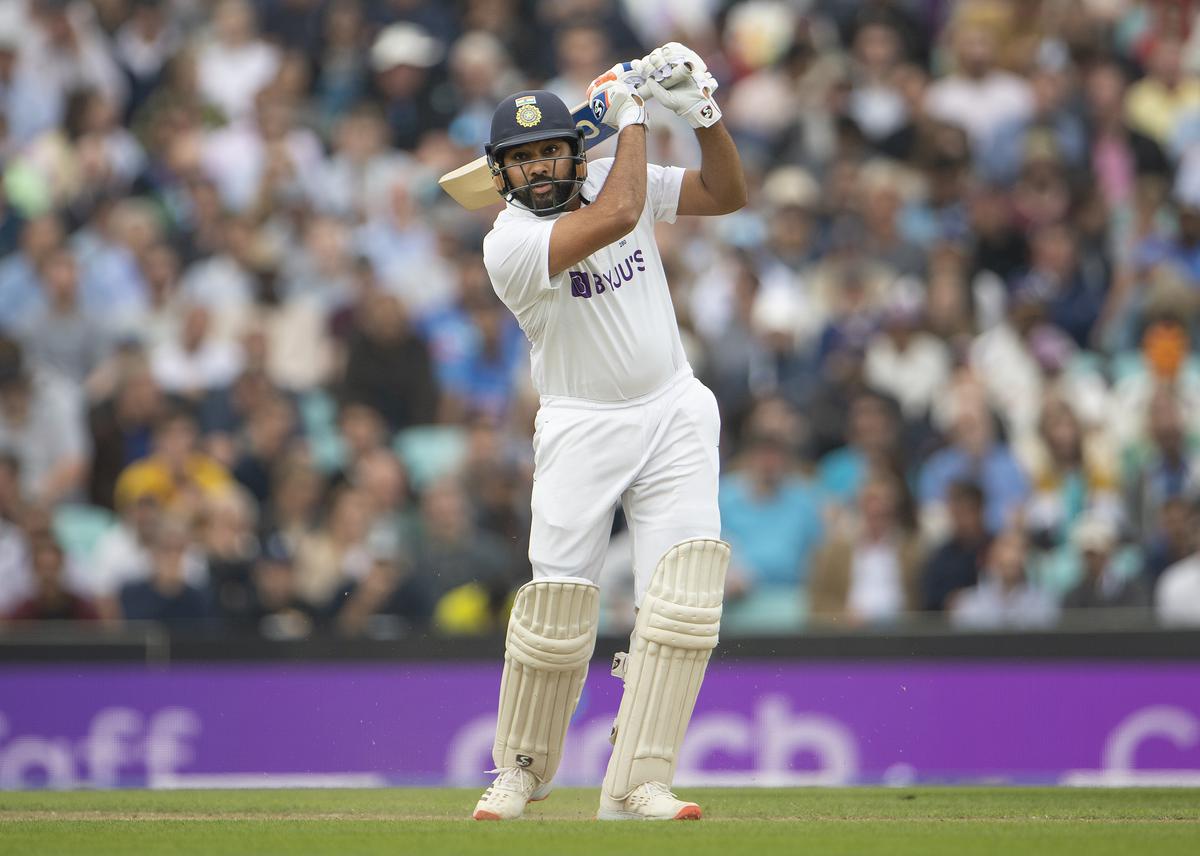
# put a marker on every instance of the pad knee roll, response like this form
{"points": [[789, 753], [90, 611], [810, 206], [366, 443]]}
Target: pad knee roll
{"points": [[551, 637], [673, 638]]}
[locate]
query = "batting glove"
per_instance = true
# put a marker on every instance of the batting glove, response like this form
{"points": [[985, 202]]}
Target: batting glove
{"points": [[678, 78], [613, 99]]}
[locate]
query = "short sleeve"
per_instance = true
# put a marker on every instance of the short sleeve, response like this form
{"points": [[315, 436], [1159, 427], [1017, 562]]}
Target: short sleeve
{"points": [[663, 184], [517, 258]]}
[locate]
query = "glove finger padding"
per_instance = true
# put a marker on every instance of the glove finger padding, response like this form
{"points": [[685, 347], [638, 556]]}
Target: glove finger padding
{"points": [[682, 53]]}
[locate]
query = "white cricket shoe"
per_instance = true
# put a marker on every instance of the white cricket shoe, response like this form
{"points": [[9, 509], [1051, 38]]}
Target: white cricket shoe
{"points": [[507, 796], [649, 801]]}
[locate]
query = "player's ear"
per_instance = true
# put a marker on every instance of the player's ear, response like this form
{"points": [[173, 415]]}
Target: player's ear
{"points": [[495, 163]]}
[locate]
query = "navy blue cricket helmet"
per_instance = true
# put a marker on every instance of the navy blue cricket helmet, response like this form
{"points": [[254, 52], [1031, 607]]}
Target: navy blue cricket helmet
{"points": [[529, 117]]}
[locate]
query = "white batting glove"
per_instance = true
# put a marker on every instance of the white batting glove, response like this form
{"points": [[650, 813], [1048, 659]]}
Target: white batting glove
{"points": [[688, 98], [675, 53], [613, 98], [678, 78]]}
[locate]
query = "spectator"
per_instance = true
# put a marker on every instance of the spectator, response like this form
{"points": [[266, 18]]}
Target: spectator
{"points": [[270, 428], [1004, 597], [872, 443], [384, 339], [234, 64], [974, 452], [979, 96], [167, 596], [359, 165], [1051, 121], [52, 599], [869, 572], [275, 609], [770, 513], [21, 295], [1070, 472], [1102, 585], [122, 430], [451, 551], [1177, 592], [1118, 153], [41, 422], [62, 336], [955, 565], [143, 47], [1166, 465], [1155, 103], [1173, 541], [176, 473], [16, 575], [335, 554], [197, 362], [401, 57], [388, 601], [228, 522], [295, 501], [380, 474], [905, 362], [342, 66], [123, 554]]}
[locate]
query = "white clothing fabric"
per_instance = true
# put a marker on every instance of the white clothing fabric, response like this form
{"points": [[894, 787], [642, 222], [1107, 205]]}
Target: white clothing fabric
{"points": [[214, 364], [914, 376], [120, 559], [656, 454], [235, 157], [982, 106], [16, 577], [230, 76], [1177, 594], [604, 330], [875, 591], [989, 605]]}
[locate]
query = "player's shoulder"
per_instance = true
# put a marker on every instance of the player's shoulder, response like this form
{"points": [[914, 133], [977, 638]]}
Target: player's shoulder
{"points": [[510, 230]]}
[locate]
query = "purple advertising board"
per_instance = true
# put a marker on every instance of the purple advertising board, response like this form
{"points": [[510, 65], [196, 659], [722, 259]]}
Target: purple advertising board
{"points": [[763, 722]]}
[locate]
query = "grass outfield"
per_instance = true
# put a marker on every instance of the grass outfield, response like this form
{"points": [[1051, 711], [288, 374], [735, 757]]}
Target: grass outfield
{"points": [[860, 821]]}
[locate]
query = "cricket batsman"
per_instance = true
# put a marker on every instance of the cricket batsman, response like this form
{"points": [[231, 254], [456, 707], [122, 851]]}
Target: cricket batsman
{"points": [[621, 418]]}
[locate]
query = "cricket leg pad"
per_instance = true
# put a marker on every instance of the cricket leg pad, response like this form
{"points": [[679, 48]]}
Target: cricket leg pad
{"points": [[673, 637], [551, 637]]}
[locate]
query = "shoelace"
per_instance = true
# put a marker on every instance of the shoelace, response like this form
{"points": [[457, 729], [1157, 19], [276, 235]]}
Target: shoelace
{"points": [[650, 790], [513, 779]]}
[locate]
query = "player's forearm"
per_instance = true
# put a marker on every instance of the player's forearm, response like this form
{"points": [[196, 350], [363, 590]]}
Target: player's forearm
{"points": [[721, 167], [624, 193]]}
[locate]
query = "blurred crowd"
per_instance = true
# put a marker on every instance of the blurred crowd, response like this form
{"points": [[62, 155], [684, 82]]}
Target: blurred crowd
{"points": [[253, 376]]}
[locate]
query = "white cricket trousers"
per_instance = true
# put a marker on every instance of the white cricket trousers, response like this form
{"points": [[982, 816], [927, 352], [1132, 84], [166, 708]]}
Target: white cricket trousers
{"points": [[656, 454]]}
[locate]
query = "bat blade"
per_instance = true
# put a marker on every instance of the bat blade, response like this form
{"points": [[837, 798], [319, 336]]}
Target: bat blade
{"points": [[471, 184]]}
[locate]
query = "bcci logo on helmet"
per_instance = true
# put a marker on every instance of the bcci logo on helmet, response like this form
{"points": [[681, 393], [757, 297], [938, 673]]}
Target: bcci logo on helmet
{"points": [[528, 115]]}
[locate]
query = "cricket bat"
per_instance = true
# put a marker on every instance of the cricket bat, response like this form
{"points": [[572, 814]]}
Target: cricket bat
{"points": [[471, 184]]}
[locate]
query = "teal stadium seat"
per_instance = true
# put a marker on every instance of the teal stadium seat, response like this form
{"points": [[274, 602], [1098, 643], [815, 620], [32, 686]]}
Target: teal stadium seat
{"points": [[430, 452], [79, 527]]}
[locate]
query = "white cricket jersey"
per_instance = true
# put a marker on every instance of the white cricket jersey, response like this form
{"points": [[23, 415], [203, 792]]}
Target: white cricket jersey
{"points": [[605, 329]]}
